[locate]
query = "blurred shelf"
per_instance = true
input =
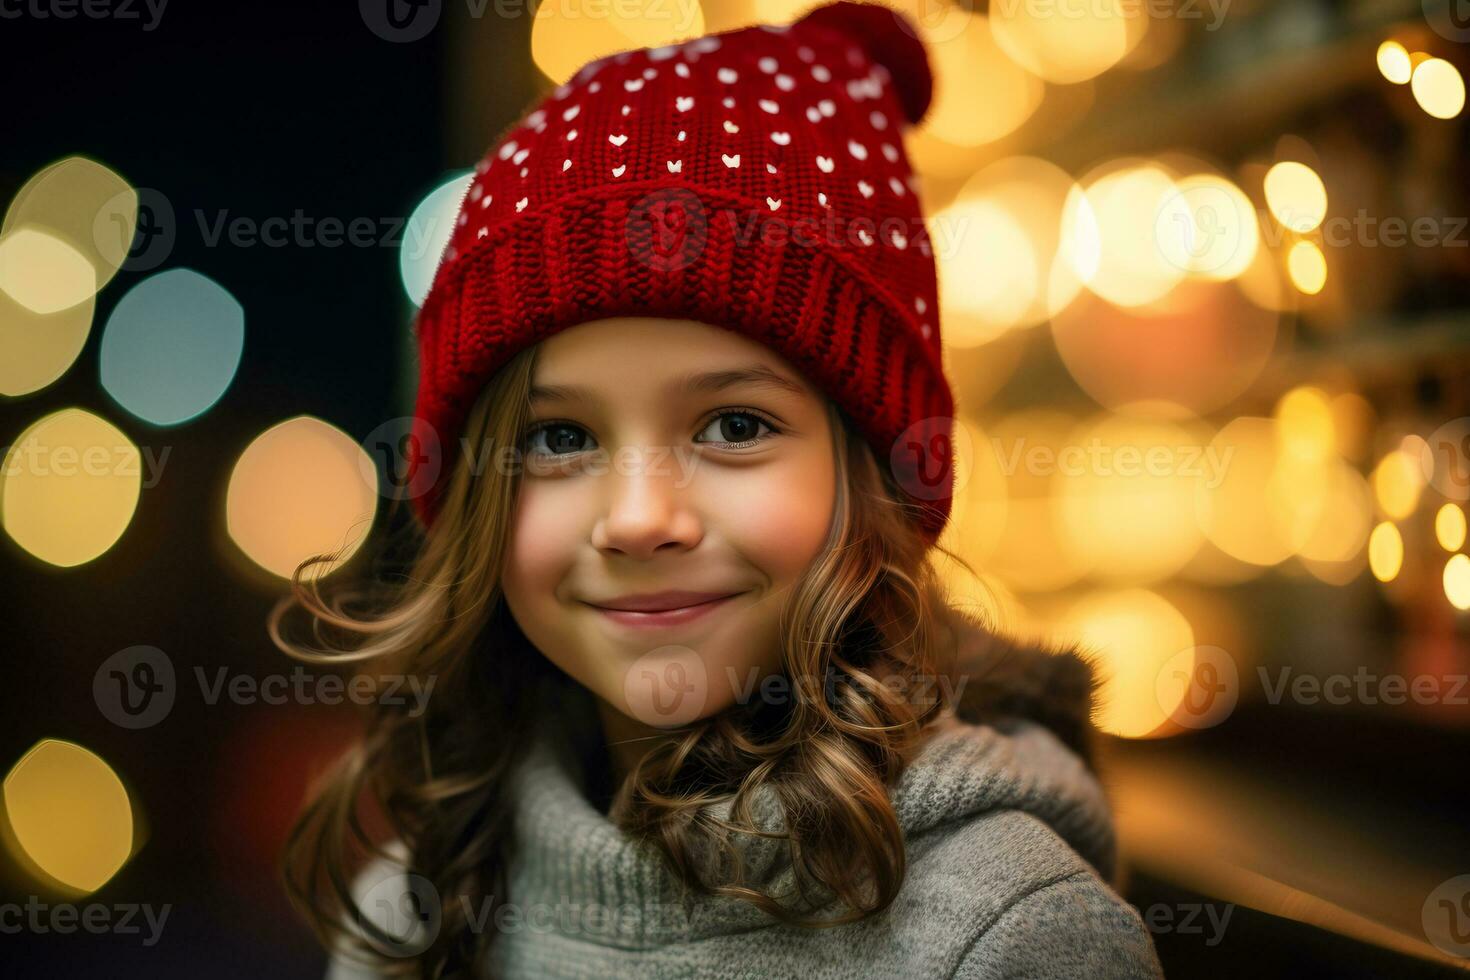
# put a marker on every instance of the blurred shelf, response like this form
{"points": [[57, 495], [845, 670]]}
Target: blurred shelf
{"points": [[1377, 352], [1217, 103]]}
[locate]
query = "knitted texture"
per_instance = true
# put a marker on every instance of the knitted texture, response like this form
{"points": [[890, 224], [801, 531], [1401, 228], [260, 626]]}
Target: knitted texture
{"points": [[1009, 843], [754, 180]]}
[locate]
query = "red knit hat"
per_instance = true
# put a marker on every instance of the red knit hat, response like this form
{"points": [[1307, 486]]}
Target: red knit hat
{"points": [[754, 180]]}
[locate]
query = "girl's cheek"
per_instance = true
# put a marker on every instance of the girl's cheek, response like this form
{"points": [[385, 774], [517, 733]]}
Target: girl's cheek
{"points": [[543, 528], [777, 515]]}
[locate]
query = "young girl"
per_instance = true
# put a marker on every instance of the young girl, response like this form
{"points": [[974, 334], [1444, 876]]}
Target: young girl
{"points": [[681, 458]]}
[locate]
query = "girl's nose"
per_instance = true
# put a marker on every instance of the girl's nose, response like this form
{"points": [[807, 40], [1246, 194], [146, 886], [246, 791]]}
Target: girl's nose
{"points": [[646, 510]]}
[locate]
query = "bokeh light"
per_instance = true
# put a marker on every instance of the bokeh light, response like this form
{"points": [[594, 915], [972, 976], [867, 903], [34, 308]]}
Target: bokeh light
{"points": [[1122, 201], [1307, 427], [66, 233], [69, 487], [1208, 227], [171, 346], [1457, 581], [998, 250], [429, 229], [37, 349], [1393, 62], [1449, 527], [567, 35], [1031, 555], [970, 61], [70, 814], [1069, 47], [1385, 552], [43, 273], [1189, 354], [1307, 267], [1397, 483], [1231, 513], [1129, 513], [1438, 88], [1296, 196], [298, 490], [1135, 632]]}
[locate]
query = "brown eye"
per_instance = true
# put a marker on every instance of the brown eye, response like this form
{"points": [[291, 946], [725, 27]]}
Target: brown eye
{"points": [[737, 428], [557, 439]]}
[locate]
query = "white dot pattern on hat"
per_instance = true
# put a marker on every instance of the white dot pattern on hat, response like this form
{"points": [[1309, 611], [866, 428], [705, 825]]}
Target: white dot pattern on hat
{"points": [[800, 129]]}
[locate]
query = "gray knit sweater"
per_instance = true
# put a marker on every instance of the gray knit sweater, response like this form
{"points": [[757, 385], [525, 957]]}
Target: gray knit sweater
{"points": [[1009, 839]]}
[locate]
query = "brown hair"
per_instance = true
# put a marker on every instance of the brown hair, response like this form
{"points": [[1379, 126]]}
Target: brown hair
{"points": [[863, 613]]}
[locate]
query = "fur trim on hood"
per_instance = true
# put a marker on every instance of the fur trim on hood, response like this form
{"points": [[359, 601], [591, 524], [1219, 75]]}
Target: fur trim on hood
{"points": [[1054, 684]]}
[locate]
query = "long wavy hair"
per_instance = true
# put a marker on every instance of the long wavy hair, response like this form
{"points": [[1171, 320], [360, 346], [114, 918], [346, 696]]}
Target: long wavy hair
{"points": [[859, 633]]}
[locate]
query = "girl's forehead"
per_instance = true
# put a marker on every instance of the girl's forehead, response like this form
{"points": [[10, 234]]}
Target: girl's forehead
{"points": [[629, 332], [625, 351]]}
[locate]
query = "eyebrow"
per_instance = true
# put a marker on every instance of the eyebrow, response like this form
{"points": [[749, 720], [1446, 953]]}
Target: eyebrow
{"points": [[756, 375]]}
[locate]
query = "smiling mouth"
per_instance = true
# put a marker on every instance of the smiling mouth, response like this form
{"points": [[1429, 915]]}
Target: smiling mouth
{"points": [[663, 617]]}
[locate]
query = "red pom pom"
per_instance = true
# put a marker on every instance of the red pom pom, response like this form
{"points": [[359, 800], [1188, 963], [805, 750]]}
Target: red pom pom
{"points": [[889, 39]]}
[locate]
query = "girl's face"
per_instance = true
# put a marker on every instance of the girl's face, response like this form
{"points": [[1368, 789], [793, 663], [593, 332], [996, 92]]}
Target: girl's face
{"points": [[666, 456]]}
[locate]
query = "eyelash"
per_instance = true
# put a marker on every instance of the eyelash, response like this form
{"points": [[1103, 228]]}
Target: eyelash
{"points": [[759, 416]]}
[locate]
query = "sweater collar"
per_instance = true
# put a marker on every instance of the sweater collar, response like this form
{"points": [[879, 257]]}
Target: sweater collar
{"points": [[1018, 739]]}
